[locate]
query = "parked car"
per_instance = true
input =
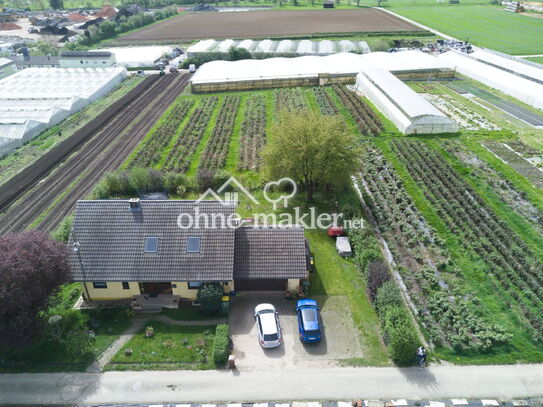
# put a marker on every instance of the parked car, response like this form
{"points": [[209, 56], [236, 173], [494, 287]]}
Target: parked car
{"points": [[267, 323], [334, 231], [308, 321], [192, 68], [173, 70]]}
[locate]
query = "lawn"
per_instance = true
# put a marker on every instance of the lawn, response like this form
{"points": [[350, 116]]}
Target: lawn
{"points": [[172, 347], [539, 60], [51, 356], [485, 26], [187, 312]]}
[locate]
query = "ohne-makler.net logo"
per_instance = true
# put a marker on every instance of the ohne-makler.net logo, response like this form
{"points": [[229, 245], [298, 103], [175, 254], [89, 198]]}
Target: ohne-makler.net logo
{"points": [[308, 219]]}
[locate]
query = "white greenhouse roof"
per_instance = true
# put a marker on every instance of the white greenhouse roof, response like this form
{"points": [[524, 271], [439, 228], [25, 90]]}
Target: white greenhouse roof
{"points": [[525, 90], [280, 47], [137, 56], [35, 99], [5, 62], [509, 63], [310, 66], [409, 111]]}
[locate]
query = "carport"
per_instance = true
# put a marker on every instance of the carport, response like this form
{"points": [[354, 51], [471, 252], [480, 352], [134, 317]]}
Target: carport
{"points": [[269, 258], [261, 285]]}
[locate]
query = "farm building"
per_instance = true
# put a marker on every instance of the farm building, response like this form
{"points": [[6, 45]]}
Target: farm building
{"points": [[283, 48], [521, 81], [313, 70], [35, 99], [136, 57], [409, 111], [86, 59], [7, 67]]}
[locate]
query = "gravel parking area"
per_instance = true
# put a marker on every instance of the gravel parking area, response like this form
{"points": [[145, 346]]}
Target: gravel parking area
{"points": [[340, 340], [258, 24]]}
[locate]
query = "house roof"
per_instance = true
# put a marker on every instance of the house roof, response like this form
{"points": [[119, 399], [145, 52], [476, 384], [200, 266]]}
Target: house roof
{"points": [[270, 253], [37, 60], [111, 240]]}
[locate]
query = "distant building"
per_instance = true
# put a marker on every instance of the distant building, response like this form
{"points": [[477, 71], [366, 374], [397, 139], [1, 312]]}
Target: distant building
{"points": [[38, 61], [87, 59], [7, 67]]}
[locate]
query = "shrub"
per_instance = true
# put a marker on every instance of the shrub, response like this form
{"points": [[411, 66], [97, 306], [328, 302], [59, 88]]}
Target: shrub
{"points": [[221, 345], [400, 335], [62, 233], [209, 296], [388, 295], [376, 275]]}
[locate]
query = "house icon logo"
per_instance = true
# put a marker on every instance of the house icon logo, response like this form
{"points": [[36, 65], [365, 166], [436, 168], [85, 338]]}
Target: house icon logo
{"points": [[228, 197]]}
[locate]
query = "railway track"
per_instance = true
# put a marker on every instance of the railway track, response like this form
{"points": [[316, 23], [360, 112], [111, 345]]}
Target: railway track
{"points": [[54, 197]]}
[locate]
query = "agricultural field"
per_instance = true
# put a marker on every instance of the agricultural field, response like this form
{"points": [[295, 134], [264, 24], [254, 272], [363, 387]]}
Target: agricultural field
{"points": [[483, 25], [271, 23], [462, 221]]}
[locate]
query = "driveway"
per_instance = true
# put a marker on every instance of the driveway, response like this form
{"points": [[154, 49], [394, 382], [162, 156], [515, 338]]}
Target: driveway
{"points": [[340, 337]]}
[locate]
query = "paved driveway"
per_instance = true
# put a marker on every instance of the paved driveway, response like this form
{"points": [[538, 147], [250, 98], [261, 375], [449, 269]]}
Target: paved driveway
{"points": [[340, 339]]}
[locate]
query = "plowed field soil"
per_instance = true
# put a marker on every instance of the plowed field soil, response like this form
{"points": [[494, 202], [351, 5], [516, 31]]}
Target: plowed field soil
{"points": [[276, 23]]}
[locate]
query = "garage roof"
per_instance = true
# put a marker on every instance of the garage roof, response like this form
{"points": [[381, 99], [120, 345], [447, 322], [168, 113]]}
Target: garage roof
{"points": [[270, 253]]}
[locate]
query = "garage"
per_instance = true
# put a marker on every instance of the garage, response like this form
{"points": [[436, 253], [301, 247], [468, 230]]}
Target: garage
{"points": [[260, 285]]}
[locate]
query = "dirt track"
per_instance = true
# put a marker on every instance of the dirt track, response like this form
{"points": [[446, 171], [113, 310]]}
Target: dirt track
{"points": [[257, 24], [104, 152]]}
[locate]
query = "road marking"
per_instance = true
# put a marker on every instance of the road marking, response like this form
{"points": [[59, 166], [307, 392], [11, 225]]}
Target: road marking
{"points": [[520, 403], [437, 404], [459, 402], [314, 404], [344, 404], [489, 402], [186, 405], [399, 402]]}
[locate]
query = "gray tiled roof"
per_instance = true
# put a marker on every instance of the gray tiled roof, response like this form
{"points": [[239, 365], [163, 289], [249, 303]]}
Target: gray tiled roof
{"points": [[270, 253], [111, 241]]}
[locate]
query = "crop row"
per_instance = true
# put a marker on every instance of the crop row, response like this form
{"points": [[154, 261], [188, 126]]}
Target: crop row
{"points": [[180, 156], [325, 101], [511, 264], [253, 134], [289, 99], [161, 136], [423, 260], [367, 120], [517, 162], [216, 149]]}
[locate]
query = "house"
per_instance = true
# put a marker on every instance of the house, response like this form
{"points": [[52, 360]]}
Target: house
{"points": [[7, 67], [123, 248], [86, 59]]}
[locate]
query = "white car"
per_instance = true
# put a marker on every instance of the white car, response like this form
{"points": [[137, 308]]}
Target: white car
{"points": [[267, 323]]}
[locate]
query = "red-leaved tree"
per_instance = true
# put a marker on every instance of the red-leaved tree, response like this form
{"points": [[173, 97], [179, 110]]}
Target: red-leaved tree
{"points": [[32, 267]]}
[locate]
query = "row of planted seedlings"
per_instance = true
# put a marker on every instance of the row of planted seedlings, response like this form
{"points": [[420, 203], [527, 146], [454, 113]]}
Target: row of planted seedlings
{"points": [[365, 117], [180, 156], [216, 150], [290, 99], [326, 104], [445, 307], [508, 193], [252, 133], [161, 135], [510, 264]]}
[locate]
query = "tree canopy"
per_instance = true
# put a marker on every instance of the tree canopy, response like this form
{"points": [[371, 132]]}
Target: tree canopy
{"points": [[317, 151], [32, 267], [56, 4]]}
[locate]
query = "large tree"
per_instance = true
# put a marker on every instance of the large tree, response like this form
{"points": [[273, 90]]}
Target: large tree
{"points": [[56, 4], [32, 267], [317, 151]]}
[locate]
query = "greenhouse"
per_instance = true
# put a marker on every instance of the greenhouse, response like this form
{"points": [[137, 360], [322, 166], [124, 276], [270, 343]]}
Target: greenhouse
{"points": [[520, 87], [35, 99], [409, 111], [518, 66], [312, 70], [136, 57], [286, 48]]}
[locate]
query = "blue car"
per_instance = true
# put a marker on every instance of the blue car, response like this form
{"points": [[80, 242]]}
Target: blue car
{"points": [[308, 321]]}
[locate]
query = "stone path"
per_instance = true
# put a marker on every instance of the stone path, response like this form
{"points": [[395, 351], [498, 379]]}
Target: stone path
{"points": [[137, 325]]}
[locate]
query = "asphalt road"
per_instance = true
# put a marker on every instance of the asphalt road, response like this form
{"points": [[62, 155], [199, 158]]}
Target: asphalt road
{"points": [[506, 382]]}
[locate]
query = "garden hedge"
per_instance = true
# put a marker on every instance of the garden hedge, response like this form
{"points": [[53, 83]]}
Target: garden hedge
{"points": [[221, 345]]}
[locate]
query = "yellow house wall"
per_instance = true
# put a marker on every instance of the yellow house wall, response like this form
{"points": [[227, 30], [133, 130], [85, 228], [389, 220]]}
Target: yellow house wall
{"points": [[293, 283], [114, 291], [182, 289]]}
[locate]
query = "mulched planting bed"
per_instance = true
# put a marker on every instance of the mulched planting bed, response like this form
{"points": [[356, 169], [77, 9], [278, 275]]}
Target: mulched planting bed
{"points": [[253, 24]]}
